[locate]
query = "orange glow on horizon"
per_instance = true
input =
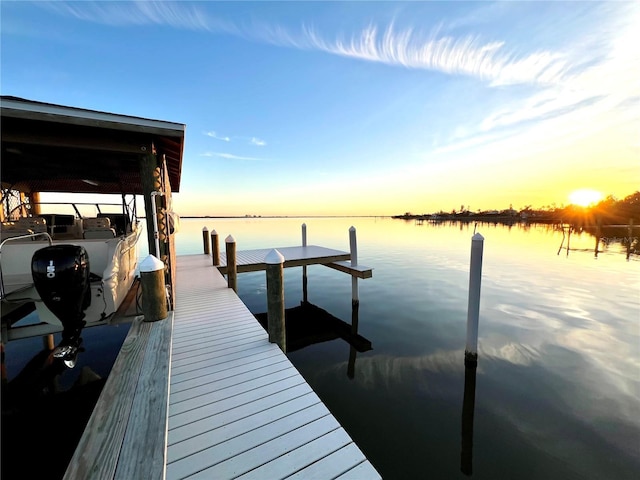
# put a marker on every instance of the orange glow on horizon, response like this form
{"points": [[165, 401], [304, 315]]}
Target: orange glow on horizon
{"points": [[585, 197]]}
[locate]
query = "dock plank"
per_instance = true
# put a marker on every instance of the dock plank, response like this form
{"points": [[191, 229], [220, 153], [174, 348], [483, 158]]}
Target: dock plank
{"points": [[98, 451]]}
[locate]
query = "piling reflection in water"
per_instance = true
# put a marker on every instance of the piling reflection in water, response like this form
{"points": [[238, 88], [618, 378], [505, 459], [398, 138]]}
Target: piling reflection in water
{"points": [[308, 324], [468, 408]]}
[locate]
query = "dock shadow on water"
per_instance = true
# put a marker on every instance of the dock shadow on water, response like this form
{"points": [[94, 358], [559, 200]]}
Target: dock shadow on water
{"points": [[47, 399], [308, 324]]}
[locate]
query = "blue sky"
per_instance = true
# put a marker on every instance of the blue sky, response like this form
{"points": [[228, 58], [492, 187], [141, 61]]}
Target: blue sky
{"points": [[305, 108]]}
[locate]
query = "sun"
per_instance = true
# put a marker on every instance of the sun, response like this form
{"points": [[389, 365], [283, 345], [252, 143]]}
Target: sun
{"points": [[585, 197]]}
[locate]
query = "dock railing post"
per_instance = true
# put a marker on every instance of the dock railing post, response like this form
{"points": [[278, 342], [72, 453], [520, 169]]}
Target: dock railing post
{"points": [[353, 245], [215, 248], [232, 269], [473, 310], [275, 299], [205, 240], [305, 297], [154, 295]]}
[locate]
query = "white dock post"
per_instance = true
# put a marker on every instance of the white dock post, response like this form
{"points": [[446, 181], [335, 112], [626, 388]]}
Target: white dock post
{"points": [[353, 245], [154, 295], [232, 269], [473, 310], [215, 248], [304, 267], [205, 240], [275, 299]]}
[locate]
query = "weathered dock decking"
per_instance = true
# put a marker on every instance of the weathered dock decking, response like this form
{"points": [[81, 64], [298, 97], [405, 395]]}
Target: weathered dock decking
{"points": [[238, 408], [203, 394], [297, 256]]}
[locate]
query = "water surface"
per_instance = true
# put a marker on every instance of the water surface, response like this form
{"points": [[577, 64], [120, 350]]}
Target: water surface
{"points": [[558, 377]]}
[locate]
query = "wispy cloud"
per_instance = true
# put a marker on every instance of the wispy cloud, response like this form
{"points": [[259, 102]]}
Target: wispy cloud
{"points": [[142, 12], [257, 142], [489, 60], [467, 55], [213, 134], [229, 156]]}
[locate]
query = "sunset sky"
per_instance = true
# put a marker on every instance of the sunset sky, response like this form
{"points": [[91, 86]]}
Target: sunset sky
{"points": [[353, 108]]}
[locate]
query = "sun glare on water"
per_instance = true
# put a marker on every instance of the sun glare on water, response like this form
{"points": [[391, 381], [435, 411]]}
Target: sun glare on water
{"points": [[585, 197]]}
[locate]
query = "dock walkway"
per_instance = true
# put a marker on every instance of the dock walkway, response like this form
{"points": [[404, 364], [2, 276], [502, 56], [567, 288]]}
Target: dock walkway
{"points": [[203, 394], [237, 407]]}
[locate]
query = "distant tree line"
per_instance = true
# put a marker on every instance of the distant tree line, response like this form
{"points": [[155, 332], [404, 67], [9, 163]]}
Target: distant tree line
{"points": [[609, 211]]}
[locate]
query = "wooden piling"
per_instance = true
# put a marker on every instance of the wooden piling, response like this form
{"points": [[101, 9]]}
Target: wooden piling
{"points": [[205, 240], [353, 246], [48, 342], [275, 299], [629, 238], [305, 297], [215, 248], [473, 310], [154, 296], [598, 235], [232, 269]]}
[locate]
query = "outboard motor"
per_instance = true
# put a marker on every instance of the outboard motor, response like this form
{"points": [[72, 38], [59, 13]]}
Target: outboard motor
{"points": [[61, 278]]}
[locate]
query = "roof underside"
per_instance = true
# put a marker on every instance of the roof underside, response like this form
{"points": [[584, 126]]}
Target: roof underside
{"points": [[53, 148]]}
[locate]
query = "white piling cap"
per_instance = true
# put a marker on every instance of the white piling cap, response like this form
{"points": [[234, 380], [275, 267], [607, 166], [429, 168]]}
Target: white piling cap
{"points": [[213, 232], [151, 264], [477, 238], [274, 257], [230, 239], [205, 229]]}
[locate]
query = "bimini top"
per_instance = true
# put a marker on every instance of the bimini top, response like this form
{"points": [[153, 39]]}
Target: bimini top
{"points": [[54, 148]]}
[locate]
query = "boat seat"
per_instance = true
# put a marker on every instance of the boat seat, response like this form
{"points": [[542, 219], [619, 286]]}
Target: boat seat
{"points": [[10, 230], [36, 224], [24, 226], [98, 228]]}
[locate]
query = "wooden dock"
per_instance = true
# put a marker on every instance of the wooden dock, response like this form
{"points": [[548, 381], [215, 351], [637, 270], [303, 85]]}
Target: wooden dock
{"points": [[253, 260], [236, 407]]}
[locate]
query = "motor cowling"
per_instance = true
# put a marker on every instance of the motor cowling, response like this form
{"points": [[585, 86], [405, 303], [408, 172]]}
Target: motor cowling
{"points": [[61, 278]]}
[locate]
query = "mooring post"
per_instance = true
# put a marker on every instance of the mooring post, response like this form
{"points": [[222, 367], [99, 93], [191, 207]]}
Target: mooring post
{"points": [[205, 240], [154, 296], [353, 245], [304, 267], [598, 233], [275, 299], [629, 238], [48, 342], [215, 248], [473, 310], [232, 269]]}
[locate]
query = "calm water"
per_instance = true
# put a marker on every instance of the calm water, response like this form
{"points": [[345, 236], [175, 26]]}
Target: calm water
{"points": [[558, 380]]}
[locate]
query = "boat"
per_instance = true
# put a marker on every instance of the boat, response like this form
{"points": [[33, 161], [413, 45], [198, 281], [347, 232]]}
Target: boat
{"points": [[72, 261], [109, 239]]}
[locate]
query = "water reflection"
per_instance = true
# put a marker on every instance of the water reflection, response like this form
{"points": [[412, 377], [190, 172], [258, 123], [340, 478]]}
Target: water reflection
{"points": [[558, 341], [308, 324], [468, 408]]}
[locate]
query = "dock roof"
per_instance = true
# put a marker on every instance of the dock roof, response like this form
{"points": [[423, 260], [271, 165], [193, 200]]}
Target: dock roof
{"points": [[56, 148]]}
